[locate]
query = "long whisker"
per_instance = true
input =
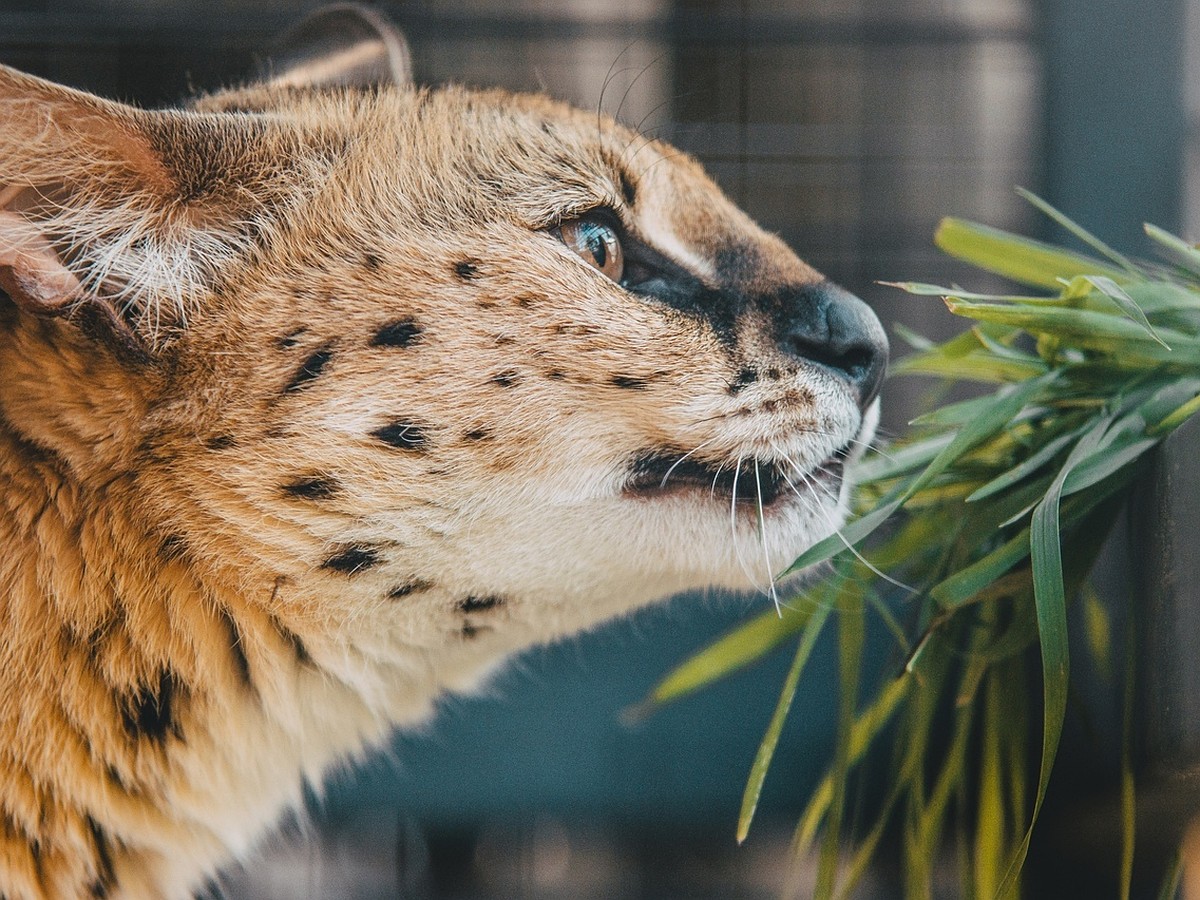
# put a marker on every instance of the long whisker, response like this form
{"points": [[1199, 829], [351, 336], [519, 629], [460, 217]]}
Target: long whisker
{"points": [[762, 538], [695, 449], [815, 485], [737, 549], [629, 87], [608, 76]]}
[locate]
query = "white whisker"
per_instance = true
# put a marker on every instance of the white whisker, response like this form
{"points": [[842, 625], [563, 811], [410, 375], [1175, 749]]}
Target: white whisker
{"points": [[762, 539]]}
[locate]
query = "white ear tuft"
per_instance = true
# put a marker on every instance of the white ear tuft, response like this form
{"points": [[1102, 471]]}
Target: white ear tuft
{"points": [[133, 212], [342, 45]]}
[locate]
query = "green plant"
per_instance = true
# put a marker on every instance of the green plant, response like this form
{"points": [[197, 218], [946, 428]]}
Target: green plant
{"points": [[985, 520]]}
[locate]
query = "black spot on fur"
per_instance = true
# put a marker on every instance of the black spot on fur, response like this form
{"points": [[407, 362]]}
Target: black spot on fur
{"points": [[289, 340], [409, 587], [505, 379], [403, 434], [744, 379], [241, 665], [479, 604], [221, 442], [173, 547], [105, 877], [353, 559], [313, 487], [477, 434], [401, 333], [469, 631], [372, 262], [467, 269], [628, 382], [556, 375], [309, 369], [147, 711]]}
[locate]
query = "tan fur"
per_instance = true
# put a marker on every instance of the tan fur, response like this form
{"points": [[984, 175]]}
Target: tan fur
{"points": [[217, 578]]}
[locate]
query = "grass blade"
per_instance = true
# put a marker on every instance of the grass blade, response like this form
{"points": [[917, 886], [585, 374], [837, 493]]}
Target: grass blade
{"points": [[731, 652], [1050, 602], [1124, 302], [1080, 232], [766, 749], [1018, 258]]}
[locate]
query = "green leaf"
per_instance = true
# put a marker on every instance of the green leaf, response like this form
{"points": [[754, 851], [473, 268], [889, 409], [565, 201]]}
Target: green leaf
{"points": [[1084, 327], [901, 460], [766, 749], [1049, 593], [1098, 467], [1180, 248], [868, 726], [733, 651], [1169, 890], [1018, 258], [979, 366], [1026, 467], [1180, 415], [964, 585], [992, 418], [851, 634], [1124, 302], [1083, 234]]}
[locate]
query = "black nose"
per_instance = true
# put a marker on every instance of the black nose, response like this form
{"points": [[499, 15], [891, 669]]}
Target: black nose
{"points": [[827, 325]]}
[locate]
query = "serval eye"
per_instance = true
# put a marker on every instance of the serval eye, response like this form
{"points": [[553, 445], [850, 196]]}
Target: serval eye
{"points": [[597, 243]]}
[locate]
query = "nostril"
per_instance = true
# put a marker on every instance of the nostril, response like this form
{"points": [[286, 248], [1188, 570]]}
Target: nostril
{"points": [[831, 327], [853, 361]]}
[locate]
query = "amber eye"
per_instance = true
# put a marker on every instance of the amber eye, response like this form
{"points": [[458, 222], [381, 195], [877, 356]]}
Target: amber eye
{"points": [[597, 243]]}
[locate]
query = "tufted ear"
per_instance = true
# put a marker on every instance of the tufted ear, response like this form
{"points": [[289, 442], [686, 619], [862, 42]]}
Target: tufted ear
{"points": [[342, 45], [122, 216]]}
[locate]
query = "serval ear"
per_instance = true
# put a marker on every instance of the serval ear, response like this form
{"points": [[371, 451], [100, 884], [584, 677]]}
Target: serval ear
{"points": [[120, 216], [345, 45]]}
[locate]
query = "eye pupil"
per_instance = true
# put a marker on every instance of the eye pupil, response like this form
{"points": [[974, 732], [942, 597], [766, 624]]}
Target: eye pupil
{"points": [[596, 242]]}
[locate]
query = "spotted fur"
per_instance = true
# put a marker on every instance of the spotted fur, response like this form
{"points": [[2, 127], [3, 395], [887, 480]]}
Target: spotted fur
{"points": [[307, 417]]}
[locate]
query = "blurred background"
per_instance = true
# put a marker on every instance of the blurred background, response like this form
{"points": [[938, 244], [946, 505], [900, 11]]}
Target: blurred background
{"points": [[847, 126]]}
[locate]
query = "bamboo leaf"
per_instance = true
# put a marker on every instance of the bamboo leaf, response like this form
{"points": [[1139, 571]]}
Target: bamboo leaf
{"points": [[1080, 325], [1098, 467], [1018, 258], [1082, 233], [1050, 602], [1124, 302], [731, 652], [851, 634], [995, 416], [1181, 414], [1180, 248], [1026, 467], [766, 749]]}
